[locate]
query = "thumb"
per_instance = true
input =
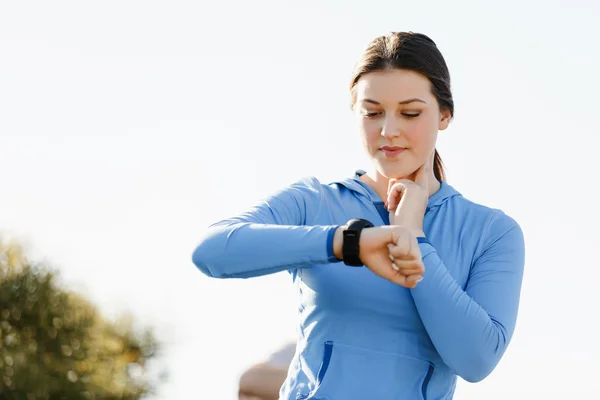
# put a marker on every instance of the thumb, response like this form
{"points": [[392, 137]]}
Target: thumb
{"points": [[395, 195]]}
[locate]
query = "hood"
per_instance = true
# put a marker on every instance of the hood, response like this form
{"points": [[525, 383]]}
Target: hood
{"points": [[355, 184]]}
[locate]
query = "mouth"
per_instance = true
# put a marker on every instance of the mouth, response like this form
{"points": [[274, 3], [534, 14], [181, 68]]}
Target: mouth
{"points": [[391, 151]]}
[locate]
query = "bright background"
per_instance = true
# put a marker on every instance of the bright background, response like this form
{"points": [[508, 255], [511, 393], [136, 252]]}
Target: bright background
{"points": [[126, 127]]}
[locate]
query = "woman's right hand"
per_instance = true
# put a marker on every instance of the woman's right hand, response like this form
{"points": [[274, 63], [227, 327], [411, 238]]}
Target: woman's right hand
{"points": [[391, 252]]}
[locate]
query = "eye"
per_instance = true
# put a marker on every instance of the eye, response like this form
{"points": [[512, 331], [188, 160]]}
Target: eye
{"points": [[370, 114], [411, 115]]}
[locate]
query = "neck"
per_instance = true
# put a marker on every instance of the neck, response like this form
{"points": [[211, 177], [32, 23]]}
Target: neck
{"points": [[380, 183]]}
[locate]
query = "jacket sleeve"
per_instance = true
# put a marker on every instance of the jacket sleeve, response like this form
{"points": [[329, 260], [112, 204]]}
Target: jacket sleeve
{"points": [[471, 329], [275, 235]]}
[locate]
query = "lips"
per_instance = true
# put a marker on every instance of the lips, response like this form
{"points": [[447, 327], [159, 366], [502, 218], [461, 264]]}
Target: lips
{"points": [[392, 151]]}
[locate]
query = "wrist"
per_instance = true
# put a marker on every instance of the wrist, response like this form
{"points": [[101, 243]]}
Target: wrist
{"points": [[410, 221], [418, 232], [338, 241], [413, 226]]}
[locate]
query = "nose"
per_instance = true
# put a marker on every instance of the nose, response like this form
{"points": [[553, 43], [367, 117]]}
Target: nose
{"points": [[390, 126]]}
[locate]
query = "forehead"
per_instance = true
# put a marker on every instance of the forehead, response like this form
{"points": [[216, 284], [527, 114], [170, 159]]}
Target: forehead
{"points": [[393, 85]]}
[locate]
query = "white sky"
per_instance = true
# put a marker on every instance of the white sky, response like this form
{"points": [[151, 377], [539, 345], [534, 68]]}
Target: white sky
{"points": [[127, 127]]}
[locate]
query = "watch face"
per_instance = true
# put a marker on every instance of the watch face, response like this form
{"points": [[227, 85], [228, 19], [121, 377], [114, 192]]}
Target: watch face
{"points": [[350, 248]]}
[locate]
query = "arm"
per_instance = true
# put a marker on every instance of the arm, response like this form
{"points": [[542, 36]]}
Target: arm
{"points": [[271, 237], [471, 329], [263, 381]]}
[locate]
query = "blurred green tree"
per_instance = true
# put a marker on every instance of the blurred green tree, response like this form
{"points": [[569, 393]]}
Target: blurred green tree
{"points": [[54, 344]]}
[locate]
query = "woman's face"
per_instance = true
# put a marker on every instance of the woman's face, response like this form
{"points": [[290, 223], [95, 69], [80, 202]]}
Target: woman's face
{"points": [[399, 119]]}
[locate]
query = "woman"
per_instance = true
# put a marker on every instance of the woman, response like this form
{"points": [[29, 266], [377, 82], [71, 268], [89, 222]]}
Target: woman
{"points": [[439, 291]]}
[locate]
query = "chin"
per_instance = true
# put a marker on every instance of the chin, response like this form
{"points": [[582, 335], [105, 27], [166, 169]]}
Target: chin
{"points": [[395, 169], [395, 172]]}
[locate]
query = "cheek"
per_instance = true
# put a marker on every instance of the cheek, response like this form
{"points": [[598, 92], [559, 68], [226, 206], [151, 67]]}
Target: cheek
{"points": [[370, 131], [421, 135]]}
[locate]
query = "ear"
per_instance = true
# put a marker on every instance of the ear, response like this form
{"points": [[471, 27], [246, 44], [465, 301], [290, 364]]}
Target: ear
{"points": [[445, 117]]}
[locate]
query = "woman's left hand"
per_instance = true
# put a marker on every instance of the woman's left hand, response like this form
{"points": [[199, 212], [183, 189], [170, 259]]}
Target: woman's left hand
{"points": [[407, 200]]}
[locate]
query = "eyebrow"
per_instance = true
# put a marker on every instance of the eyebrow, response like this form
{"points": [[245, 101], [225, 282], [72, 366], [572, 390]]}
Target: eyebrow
{"points": [[407, 101]]}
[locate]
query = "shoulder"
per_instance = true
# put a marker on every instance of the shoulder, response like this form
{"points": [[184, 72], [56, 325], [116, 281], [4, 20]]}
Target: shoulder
{"points": [[494, 225], [301, 197], [496, 220], [492, 217], [311, 186], [304, 189], [308, 185]]}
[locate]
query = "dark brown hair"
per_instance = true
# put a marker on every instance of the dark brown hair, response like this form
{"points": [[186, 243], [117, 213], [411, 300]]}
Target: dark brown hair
{"points": [[415, 52]]}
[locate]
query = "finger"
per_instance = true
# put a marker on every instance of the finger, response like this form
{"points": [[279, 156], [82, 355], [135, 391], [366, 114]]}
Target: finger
{"points": [[394, 195], [398, 279], [403, 244], [401, 250], [408, 267], [413, 280], [407, 281], [391, 183], [400, 253], [387, 270], [392, 260], [406, 248]]}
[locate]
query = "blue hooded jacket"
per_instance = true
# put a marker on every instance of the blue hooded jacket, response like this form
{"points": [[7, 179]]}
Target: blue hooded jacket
{"points": [[364, 337]]}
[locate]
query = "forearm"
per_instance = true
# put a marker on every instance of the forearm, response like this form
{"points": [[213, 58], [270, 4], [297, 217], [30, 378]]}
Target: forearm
{"points": [[468, 339], [242, 249], [263, 381]]}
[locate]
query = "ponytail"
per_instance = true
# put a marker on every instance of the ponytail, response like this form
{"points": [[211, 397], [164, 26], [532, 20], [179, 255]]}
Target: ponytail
{"points": [[438, 167]]}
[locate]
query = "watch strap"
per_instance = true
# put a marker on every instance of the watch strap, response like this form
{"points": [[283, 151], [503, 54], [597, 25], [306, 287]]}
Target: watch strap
{"points": [[351, 241]]}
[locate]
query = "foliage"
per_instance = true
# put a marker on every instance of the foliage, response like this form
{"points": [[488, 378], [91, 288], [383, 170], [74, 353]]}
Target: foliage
{"points": [[54, 344]]}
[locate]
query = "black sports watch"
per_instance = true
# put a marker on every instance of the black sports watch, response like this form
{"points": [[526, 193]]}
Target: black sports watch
{"points": [[350, 248]]}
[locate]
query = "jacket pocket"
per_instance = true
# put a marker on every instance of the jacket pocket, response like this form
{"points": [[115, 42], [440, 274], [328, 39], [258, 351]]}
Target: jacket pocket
{"points": [[348, 373]]}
